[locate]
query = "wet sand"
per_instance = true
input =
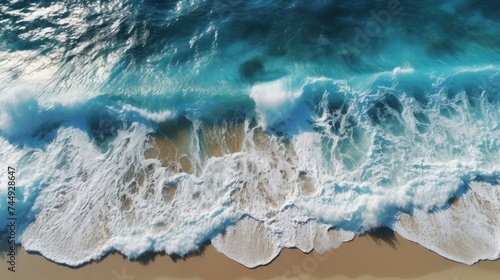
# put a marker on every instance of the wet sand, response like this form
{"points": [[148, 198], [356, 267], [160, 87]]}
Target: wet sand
{"points": [[365, 257], [384, 256]]}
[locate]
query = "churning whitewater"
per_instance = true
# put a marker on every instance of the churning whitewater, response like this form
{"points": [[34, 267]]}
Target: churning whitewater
{"points": [[159, 126]]}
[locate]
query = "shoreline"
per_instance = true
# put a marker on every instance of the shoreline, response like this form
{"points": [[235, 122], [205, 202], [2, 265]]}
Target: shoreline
{"points": [[365, 257]]}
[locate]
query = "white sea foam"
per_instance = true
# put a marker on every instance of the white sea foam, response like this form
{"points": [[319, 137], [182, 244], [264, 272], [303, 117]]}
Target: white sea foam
{"points": [[153, 116], [405, 70], [274, 101], [251, 243], [357, 162], [467, 232], [19, 111]]}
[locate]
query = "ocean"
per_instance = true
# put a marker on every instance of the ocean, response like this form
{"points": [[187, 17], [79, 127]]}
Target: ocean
{"points": [[159, 126]]}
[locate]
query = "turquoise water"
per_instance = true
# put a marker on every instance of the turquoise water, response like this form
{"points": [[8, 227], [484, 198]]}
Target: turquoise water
{"points": [[380, 108]]}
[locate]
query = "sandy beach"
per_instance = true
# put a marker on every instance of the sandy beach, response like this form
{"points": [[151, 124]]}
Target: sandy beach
{"points": [[365, 257]]}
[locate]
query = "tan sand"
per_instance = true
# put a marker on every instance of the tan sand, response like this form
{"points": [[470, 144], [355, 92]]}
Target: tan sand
{"points": [[171, 145], [363, 258]]}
